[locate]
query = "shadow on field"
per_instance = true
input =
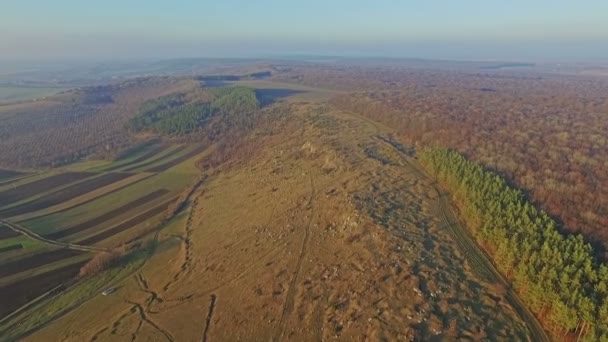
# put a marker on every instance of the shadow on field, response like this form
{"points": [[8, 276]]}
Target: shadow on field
{"points": [[266, 96]]}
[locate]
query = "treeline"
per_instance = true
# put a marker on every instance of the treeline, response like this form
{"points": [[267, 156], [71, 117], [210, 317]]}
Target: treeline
{"points": [[175, 115], [170, 115], [547, 137], [556, 275]]}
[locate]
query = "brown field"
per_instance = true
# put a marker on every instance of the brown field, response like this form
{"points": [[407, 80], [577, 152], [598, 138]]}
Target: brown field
{"points": [[166, 166], [155, 160], [7, 233], [154, 151], [36, 260], [65, 194], [107, 216], [127, 224], [19, 293], [24, 191]]}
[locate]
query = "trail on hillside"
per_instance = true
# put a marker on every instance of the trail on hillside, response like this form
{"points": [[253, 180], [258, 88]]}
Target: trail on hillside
{"points": [[480, 261]]}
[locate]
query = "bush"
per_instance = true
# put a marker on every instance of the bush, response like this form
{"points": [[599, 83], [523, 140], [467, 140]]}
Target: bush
{"points": [[101, 262]]}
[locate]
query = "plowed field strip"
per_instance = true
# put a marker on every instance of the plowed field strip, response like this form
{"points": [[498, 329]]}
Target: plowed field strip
{"points": [[6, 174], [65, 194], [30, 189], [139, 159], [36, 260], [7, 233], [109, 215], [178, 160], [155, 160], [127, 224], [17, 294], [81, 203]]}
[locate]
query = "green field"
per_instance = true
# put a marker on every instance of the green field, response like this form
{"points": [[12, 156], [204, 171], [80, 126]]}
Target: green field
{"points": [[90, 215]]}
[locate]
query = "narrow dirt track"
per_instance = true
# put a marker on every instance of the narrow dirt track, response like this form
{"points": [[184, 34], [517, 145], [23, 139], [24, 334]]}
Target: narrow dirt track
{"points": [[209, 316], [468, 246], [289, 301], [480, 261], [24, 231]]}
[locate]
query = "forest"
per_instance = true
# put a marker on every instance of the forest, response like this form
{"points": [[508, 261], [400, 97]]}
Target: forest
{"points": [[556, 275], [100, 121], [173, 115], [79, 123], [543, 134]]}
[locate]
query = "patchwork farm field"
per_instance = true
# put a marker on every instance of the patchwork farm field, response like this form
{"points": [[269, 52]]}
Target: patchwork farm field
{"points": [[53, 223]]}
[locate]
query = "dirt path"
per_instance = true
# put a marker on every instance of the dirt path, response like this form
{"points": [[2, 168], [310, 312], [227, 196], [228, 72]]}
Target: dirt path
{"points": [[24, 231], [209, 316], [289, 301], [480, 261], [484, 267]]}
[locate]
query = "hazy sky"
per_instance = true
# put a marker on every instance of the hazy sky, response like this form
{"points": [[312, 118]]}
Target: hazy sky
{"points": [[448, 29]]}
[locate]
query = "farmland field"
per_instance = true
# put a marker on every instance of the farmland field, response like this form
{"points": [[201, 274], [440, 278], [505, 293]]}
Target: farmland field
{"points": [[16, 294], [9, 174], [107, 216], [156, 150], [21, 192], [6, 233], [64, 194], [87, 207]]}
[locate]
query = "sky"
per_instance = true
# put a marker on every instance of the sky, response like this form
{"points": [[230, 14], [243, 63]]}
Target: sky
{"points": [[552, 30]]}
